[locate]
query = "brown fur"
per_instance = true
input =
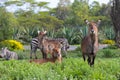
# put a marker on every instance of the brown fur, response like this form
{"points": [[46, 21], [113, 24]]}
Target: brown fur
{"points": [[52, 60], [89, 45], [41, 61], [49, 46]]}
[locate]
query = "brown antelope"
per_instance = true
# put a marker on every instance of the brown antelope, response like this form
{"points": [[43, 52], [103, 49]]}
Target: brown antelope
{"points": [[41, 61], [48, 46], [34, 46], [52, 60], [89, 45]]}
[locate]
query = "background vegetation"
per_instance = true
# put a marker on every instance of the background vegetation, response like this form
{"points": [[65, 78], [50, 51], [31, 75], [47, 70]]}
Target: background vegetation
{"points": [[65, 20]]}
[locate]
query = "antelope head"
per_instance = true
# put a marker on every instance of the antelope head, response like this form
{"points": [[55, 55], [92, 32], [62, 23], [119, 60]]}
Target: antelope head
{"points": [[93, 26]]}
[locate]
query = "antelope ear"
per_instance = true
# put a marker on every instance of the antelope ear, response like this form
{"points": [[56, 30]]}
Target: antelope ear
{"points": [[45, 32], [98, 22], [86, 21], [38, 32]]}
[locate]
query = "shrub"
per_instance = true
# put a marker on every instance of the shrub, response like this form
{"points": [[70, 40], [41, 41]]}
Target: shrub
{"points": [[111, 42], [112, 47], [108, 53], [73, 35], [11, 44], [109, 32]]}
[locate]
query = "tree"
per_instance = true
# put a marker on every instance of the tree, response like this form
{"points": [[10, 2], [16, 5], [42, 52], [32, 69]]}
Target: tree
{"points": [[80, 12], [95, 8], [102, 11], [63, 9], [115, 16], [50, 22], [7, 23]]}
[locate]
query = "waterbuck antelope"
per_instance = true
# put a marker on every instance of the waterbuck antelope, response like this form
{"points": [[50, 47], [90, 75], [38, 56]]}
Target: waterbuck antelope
{"points": [[89, 45], [48, 46], [34, 45], [52, 60]]}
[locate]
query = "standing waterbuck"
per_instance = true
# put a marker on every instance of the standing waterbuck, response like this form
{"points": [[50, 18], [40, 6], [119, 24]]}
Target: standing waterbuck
{"points": [[89, 45]]}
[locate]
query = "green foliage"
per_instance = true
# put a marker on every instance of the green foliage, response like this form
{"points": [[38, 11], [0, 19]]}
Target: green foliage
{"points": [[95, 9], [112, 47], [7, 22], [71, 15], [11, 44], [108, 53], [53, 34], [102, 36], [111, 42], [78, 48], [109, 32], [104, 69], [63, 9], [27, 18], [72, 68], [26, 34], [25, 54], [84, 31], [80, 12], [49, 22], [72, 34]]}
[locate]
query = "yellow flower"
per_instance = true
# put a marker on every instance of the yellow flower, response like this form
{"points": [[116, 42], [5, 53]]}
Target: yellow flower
{"points": [[12, 44], [111, 42]]}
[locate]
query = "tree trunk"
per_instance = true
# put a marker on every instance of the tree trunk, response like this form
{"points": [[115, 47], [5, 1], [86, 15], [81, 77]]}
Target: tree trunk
{"points": [[115, 15]]}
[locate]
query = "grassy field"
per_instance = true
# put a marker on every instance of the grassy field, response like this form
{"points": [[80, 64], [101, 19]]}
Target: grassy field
{"points": [[107, 67]]}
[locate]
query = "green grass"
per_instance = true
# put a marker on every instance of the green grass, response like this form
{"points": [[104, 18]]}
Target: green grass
{"points": [[72, 68]]}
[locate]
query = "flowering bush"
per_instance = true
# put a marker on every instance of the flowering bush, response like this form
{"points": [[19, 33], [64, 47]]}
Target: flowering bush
{"points": [[111, 42], [11, 44]]}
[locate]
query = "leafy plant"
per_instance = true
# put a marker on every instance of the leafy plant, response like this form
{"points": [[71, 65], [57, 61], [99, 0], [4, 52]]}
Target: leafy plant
{"points": [[72, 34], [109, 32], [108, 53], [112, 47]]}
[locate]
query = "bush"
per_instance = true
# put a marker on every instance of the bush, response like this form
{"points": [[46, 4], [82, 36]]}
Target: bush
{"points": [[11, 44], [111, 42], [108, 53], [111, 47]]}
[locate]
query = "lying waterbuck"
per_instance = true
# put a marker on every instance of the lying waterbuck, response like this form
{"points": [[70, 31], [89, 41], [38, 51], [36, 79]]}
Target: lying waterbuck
{"points": [[49, 45], [52, 60], [7, 54], [89, 45]]}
